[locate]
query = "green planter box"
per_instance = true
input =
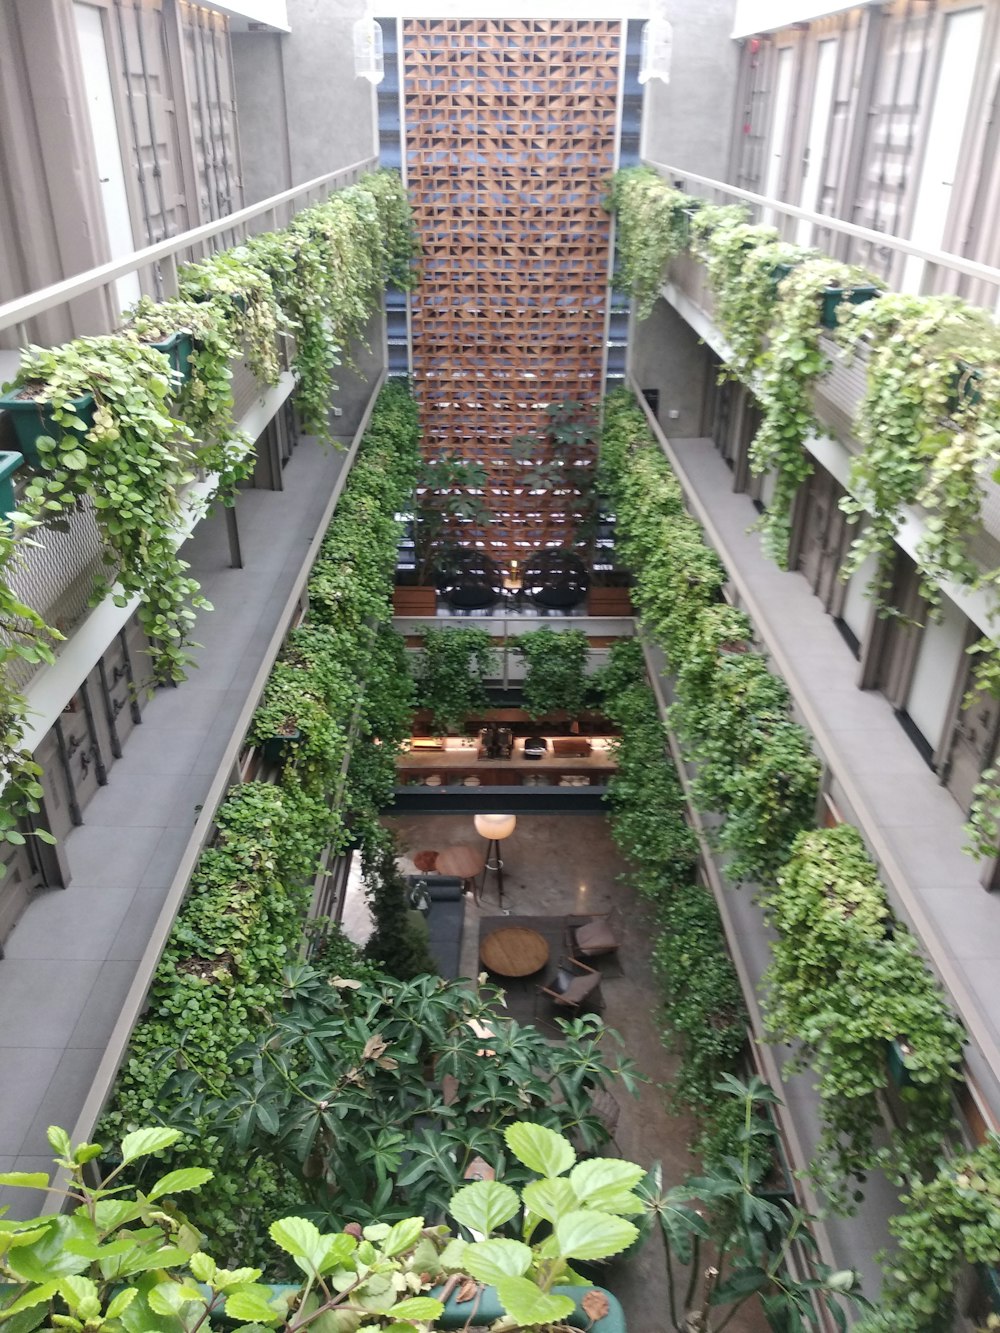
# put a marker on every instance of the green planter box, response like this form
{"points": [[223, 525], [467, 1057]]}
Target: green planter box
{"points": [[965, 387], [32, 417], [489, 1309], [9, 464], [833, 296], [276, 749], [177, 349]]}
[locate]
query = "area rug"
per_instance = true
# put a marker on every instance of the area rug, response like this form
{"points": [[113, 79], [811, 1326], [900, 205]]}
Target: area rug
{"points": [[522, 999]]}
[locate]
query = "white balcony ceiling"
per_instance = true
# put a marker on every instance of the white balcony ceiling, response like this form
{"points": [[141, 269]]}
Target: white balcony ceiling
{"points": [[757, 16], [253, 15]]}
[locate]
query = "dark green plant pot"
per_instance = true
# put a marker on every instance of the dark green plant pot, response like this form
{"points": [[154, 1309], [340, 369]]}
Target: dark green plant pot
{"points": [[832, 297], [896, 1064], [780, 272], [32, 417], [276, 749], [965, 387], [989, 1276], [177, 349], [489, 1309], [9, 464]]}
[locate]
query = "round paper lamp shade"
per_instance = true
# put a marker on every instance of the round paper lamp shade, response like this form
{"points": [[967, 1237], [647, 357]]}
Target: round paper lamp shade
{"points": [[495, 827]]}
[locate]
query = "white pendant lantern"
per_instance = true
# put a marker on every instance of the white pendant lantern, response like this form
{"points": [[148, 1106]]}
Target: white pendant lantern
{"points": [[657, 49], [369, 61]]}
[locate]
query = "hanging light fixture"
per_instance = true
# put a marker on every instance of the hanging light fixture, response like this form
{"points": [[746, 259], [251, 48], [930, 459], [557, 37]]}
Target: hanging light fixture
{"points": [[657, 44], [369, 61]]}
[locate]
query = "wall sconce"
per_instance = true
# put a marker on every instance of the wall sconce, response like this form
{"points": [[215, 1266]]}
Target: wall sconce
{"points": [[369, 61]]}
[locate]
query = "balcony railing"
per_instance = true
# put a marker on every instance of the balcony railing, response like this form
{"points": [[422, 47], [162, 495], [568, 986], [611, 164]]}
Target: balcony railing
{"points": [[156, 265], [934, 271]]}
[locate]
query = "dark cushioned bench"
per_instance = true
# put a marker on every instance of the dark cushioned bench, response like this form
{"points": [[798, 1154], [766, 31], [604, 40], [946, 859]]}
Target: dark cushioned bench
{"points": [[445, 921]]}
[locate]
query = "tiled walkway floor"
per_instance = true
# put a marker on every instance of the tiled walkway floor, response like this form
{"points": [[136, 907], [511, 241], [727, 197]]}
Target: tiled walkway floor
{"points": [[919, 821], [73, 954]]}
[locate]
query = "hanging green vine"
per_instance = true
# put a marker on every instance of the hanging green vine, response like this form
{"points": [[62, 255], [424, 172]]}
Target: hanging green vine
{"points": [[847, 981], [650, 229], [130, 461], [787, 370], [204, 399]]}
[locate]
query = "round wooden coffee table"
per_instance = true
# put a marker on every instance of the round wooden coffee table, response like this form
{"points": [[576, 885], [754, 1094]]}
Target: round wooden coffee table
{"points": [[462, 862], [514, 951]]}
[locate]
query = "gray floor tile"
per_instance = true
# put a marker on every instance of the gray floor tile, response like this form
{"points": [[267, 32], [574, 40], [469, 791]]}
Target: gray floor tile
{"points": [[43, 998], [137, 800], [94, 856], [81, 926], [968, 919], [152, 748], [104, 1005], [26, 1075], [133, 934], [162, 866], [63, 1098]]}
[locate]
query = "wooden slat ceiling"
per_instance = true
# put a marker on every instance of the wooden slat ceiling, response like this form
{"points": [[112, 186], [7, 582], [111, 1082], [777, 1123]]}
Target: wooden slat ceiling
{"points": [[510, 138]]}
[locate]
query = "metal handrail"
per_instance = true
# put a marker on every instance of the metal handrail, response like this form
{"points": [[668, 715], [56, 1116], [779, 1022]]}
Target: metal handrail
{"points": [[942, 258], [22, 308]]}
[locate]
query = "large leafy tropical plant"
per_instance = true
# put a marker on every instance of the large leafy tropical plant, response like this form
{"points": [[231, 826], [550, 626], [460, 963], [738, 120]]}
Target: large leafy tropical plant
{"points": [[747, 1235], [374, 1096]]}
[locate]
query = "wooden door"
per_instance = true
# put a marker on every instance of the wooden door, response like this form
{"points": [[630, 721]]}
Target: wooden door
{"points": [[973, 744], [823, 538]]}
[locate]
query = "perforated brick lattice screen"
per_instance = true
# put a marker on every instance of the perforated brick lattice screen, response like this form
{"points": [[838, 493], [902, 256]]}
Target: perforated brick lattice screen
{"points": [[510, 137]]}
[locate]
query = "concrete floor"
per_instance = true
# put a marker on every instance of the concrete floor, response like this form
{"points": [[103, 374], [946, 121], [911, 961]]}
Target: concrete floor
{"points": [[558, 865]]}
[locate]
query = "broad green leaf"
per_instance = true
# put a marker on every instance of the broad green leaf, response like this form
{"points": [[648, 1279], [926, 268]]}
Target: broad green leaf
{"points": [[169, 1298], [226, 1279], [453, 1255], [492, 1260], [590, 1234], [37, 1296], [550, 1198], [403, 1236], [48, 1256], [252, 1303], [484, 1205], [541, 1150], [142, 1142], [74, 459], [177, 1182], [10, 1240], [121, 1302], [339, 1249], [418, 1307], [605, 1183], [203, 1266], [527, 1305], [303, 1241], [80, 1294], [29, 1180]]}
